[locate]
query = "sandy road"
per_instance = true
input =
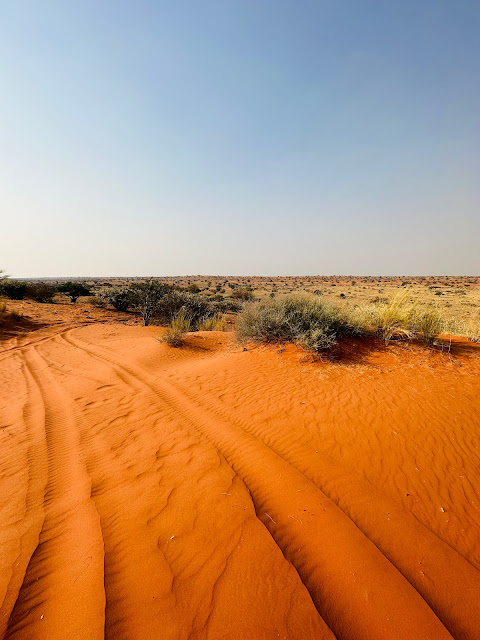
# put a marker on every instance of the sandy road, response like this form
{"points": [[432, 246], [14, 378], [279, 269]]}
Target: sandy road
{"points": [[209, 492]]}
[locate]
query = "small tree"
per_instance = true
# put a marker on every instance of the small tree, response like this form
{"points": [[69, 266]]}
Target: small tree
{"points": [[74, 290], [146, 296]]}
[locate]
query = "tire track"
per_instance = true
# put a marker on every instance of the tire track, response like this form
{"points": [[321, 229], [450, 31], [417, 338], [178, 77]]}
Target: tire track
{"points": [[445, 579], [25, 533], [356, 589], [62, 596], [136, 608], [4, 354]]}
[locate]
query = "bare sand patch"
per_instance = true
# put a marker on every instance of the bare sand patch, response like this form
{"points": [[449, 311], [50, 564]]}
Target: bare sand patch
{"points": [[212, 491]]}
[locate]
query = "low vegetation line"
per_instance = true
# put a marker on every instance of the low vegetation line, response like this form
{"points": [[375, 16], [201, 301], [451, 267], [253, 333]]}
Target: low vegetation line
{"points": [[317, 325]]}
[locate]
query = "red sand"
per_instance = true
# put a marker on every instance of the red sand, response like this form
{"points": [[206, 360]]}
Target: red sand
{"points": [[210, 492]]}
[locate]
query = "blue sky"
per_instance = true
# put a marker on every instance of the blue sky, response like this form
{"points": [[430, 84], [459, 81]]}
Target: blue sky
{"points": [[239, 137]]}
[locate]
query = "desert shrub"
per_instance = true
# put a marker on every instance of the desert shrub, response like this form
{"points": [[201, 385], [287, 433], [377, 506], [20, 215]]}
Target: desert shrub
{"points": [[228, 305], [41, 291], [146, 297], [97, 301], [243, 294], [211, 323], [74, 290], [308, 322], [13, 289], [179, 326], [121, 298], [195, 307], [193, 288]]}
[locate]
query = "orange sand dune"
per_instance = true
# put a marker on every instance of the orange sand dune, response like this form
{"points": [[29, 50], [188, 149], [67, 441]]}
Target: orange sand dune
{"points": [[213, 492]]}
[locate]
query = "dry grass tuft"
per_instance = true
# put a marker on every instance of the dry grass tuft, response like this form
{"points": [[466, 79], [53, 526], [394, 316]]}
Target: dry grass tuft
{"points": [[179, 326], [211, 323], [389, 318], [467, 328], [398, 318]]}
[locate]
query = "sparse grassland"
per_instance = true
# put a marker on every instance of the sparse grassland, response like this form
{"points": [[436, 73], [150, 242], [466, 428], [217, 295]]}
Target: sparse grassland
{"points": [[316, 324], [391, 307]]}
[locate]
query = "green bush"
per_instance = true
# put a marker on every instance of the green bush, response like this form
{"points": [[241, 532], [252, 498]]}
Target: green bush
{"points": [[41, 291], [121, 298], [195, 307], [308, 322], [13, 289], [97, 301], [74, 290], [228, 305], [146, 297], [243, 294]]}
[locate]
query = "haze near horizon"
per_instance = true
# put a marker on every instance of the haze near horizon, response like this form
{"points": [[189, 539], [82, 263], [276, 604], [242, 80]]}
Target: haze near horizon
{"points": [[253, 138]]}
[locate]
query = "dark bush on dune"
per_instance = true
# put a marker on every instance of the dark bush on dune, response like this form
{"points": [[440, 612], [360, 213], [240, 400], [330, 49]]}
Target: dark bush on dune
{"points": [[194, 307], [41, 291], [146, 297], [308, 322], [121, 298], [243, 294], [13, 289], [228, 304], [74, 290]]}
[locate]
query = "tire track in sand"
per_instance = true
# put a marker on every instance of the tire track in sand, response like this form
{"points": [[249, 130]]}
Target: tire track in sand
{"points": [[62, 596], [446, 580], [356, 589], [21, 538], [146, 580], [52, 333]]}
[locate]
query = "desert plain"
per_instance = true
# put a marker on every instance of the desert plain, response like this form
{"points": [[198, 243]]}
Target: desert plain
{"points": [[223, 490]]}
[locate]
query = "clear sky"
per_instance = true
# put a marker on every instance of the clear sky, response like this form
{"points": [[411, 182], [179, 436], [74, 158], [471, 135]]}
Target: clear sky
{"points": [[269, 137]]}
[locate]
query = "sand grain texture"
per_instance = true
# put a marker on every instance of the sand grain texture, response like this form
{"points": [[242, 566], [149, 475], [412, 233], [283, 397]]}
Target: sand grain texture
{"points": [[210, 492]]}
